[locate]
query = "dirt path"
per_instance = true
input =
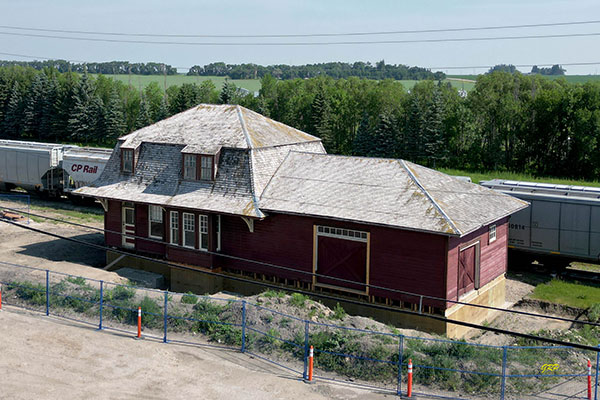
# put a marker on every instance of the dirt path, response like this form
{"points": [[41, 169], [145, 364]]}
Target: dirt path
{"points": [[48, 358]]}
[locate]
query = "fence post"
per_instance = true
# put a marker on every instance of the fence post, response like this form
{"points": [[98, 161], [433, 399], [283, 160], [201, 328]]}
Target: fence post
{"points": [[503, 384], [400, 354], [47, 292], [597, 370], [101, 304], [166, 316], [305, 375], [243, 349]]}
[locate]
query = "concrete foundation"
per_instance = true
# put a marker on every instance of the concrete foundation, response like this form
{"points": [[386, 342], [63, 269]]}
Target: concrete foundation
{"points": [[492, 294]]}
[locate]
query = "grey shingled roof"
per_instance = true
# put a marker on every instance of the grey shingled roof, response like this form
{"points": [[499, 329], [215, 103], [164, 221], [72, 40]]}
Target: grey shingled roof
{"points": [[251, 148], [380, 191]]}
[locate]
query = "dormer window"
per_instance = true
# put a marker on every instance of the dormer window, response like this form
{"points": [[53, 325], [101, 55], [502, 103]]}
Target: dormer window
{"points": [[127, 160], [198, 167], [189, 166]]}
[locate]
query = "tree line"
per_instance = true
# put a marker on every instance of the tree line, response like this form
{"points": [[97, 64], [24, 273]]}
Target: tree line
{"points": [[513, 122], [336, 70], [553, 70], [107, 68]]}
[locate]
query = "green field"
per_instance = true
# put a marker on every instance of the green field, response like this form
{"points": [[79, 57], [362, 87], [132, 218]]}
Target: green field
{"points": [[572, 294], [477, 177], [568, 78], [140, 81]]}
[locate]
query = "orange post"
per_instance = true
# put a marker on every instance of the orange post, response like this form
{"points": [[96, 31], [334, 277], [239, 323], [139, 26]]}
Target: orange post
{"points": [[311, 355], [139, 333], [589, 379], [409, 386]]}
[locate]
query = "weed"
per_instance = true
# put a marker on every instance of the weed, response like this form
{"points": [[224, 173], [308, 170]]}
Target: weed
{"points": [[338, 312], [269, 294], [189, 298], [298, 300]]}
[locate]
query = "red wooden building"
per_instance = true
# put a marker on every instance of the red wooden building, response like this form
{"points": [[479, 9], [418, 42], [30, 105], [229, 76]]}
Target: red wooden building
{"points": [[220, 186]]}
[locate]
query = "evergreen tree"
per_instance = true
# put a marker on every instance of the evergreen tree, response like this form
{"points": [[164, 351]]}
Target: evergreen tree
{"points": [[433, 134], [13, 117], [48, 106], [384, 137], [114, 121], [34, 107], [321, 120], [83, 121], [363, 141], [411, 147], [227, 92], [143, 118], [163, 109]]}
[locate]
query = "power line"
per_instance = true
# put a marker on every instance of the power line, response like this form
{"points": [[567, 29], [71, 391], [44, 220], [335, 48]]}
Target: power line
{"points": [[291, 35], [314, 274], [442, 40], [316, 294]]}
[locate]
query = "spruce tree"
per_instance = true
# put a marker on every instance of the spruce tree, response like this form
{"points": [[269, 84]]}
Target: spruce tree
{"points": [[82, 124], [321, 120], [13, 117], [143, 118], [384, 137], [163, 109], [363, 142], [227, 94], [412, 143], [114, 121], [433, 134]]}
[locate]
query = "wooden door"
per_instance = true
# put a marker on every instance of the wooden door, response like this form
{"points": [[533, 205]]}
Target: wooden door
{"points": [[128, 226], [467, 265], [342, 259]]}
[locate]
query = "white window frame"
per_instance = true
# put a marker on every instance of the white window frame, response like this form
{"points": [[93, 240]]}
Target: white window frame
{"points": [[341, 233], [203, 226], [492, 233], [190, 167], [206, 168], [218, 223], [157, 211], [190, 221], [174, 226]]}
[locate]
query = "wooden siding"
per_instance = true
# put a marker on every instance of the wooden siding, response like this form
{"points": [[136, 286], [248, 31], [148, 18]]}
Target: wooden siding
{"points": [[492, 261], [112, 222]]}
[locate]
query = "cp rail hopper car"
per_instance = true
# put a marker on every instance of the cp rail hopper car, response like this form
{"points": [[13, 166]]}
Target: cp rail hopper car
{"points": [[47, 168], [561, 225]]}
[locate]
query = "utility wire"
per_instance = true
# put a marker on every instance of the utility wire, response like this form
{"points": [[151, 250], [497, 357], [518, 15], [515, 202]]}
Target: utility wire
{"points": [[313, 274], [442, 40], [316, 294], [292, 35]]}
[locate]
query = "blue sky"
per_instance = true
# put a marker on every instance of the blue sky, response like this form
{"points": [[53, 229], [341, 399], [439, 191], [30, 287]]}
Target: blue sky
{"points": [[310, 16]]}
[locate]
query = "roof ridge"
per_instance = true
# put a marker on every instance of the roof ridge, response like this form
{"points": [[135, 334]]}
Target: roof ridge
{"points": [[243, 124], [250, 162], [277, 170], [431, 199]]}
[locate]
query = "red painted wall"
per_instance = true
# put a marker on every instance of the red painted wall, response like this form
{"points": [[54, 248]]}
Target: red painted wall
{"points": [[493, 257], [112, 222]]}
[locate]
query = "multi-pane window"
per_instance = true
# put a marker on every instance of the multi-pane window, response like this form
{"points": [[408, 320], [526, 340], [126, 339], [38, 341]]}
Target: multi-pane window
{"points": [[174, 227], [492, 236], [189, 230], [189, 166], [127, 160], [206, 172], [155, 214], [204, 232]]}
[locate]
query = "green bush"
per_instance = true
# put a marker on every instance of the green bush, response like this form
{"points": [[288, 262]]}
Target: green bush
{"points": [[338, 312], [189, 298], [594, 312], [298, 300], [35, 294], [273, 294]]}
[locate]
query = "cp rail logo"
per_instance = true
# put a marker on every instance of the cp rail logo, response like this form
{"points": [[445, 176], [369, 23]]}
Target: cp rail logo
{"points": [[549, 368], [84, 168]]}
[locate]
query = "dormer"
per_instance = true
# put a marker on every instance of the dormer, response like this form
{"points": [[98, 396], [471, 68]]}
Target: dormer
{"points": [[129, 156], [199, 166]]}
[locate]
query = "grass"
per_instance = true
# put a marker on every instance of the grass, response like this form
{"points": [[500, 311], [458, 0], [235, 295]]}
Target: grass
{"points": [[572, 294], [478, 176]]}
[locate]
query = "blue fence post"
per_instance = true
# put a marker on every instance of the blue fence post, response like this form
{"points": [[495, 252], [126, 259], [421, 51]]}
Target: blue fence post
{"points": [[597, 370], [243, 349], [101, 304], [306, 327], [400, 355], [166, 316], [503, 384], [47, 292]]}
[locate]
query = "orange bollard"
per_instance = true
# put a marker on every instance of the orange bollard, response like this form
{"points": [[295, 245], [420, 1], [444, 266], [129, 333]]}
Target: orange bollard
{"points": [[589, 379], [311, 355], [139, 335], [409, 386]]}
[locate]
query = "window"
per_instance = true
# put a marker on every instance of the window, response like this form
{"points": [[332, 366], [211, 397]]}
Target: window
{"points": [[492, 237], [174, 227], [189, 166], [349, 234], [155, 214], [204, 232], [189, 230], [127, 160], [206, 168]]}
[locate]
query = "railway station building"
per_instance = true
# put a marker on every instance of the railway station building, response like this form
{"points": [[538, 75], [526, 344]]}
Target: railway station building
{"points": [[223, 188]]}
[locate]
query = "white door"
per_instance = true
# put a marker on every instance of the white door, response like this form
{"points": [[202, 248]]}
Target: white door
{"points": [[128, 226]]}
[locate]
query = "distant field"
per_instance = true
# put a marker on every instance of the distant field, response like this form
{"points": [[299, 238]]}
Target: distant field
{"points": [[568, 78], [253, 85], [477, 177], [140, 81]]}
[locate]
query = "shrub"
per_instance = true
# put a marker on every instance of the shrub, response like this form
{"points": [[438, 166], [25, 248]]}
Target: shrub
{"points": [[338, 312], [274, 294], [30, 292], [298, 300], [189, 298], [594, 313]]}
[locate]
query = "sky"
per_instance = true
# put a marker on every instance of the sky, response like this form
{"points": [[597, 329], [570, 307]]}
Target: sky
{"points": [[257, 17]]}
